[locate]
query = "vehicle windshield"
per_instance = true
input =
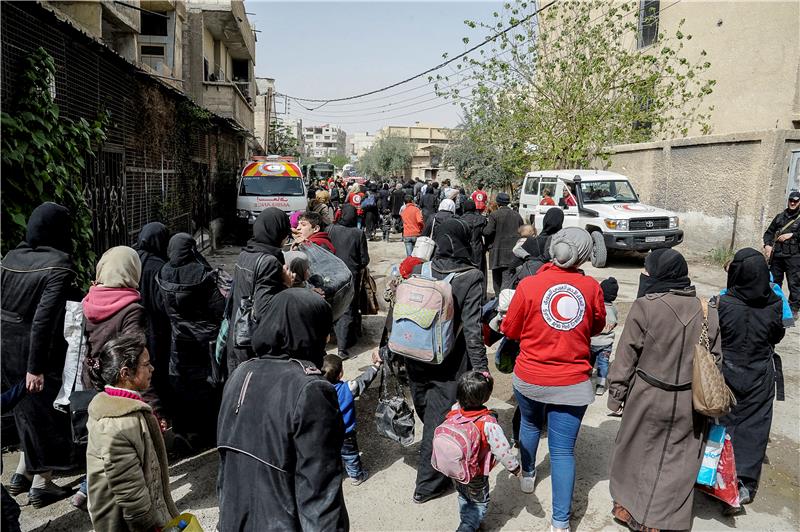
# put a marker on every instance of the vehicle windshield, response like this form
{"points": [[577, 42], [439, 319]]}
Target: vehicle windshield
{"points": [[608, 192], [321, 171], [271, 186]]}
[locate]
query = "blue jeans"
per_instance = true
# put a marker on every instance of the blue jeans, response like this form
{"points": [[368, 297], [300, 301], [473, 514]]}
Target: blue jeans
{"points": [[473, 503], [563, 424], [600, 356], [351, 456], [409, 242]]}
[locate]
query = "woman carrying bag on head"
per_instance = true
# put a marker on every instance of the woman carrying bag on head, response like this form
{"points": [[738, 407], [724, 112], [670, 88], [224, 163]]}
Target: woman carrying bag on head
{"points": [[659, 448]]}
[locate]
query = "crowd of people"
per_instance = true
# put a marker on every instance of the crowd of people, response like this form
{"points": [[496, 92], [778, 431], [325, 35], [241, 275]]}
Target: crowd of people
{"points": [[184, 357]]}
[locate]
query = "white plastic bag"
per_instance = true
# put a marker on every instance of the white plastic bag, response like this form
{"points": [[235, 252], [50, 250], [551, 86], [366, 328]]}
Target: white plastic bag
{"points": [[76, 351]]}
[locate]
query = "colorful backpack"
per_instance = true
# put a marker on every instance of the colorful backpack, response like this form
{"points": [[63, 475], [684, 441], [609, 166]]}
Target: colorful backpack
{"points": [[422, 318], [457, 448]]}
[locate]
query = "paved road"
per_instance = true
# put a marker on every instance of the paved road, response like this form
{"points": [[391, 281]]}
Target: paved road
{"points": [[384, 501]]}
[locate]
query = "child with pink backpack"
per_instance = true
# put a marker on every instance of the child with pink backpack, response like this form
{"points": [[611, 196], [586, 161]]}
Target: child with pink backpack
{"points": [[468, 445]]}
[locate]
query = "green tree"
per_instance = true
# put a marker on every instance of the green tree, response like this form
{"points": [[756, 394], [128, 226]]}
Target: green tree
{"points": [[563, 86], [391, 155], [282, 140], [43, 157]]}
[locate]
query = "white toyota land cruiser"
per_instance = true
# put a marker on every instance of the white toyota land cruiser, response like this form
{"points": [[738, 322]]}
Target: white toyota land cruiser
{"points": [[603, 203]]}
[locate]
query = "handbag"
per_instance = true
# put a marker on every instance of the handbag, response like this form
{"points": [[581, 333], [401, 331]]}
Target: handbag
{"points": [[425, 246], [79, 402], [244, 322], [369, 295], [710, 395], [394, 418]]}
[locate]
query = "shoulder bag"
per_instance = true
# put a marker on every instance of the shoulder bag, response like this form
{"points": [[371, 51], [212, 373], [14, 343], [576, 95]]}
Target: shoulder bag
{"points": [[711, 397], [79, 401], [244, 322]]}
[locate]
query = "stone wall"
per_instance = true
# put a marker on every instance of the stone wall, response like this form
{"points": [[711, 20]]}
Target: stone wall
{"points": [[702, 179]]}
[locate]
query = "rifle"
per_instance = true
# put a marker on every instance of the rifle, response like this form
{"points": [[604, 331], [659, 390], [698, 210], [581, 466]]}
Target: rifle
{"points": [[778, 233]]}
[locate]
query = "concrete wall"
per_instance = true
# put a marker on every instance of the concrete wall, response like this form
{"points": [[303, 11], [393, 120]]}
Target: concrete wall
{"points": [[702, 178], [754, 51]]}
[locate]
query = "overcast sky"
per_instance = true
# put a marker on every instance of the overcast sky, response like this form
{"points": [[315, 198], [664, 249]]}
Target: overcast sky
{"points": [[335, 49]]}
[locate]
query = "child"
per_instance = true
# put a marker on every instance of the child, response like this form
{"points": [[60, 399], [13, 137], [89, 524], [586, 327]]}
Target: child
{"points": [[347, 391], [602, 343], [474, 389]]}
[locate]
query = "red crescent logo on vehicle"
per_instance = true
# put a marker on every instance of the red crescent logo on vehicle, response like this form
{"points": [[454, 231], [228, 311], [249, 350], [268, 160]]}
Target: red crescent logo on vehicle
{"points": [[563, 307]]}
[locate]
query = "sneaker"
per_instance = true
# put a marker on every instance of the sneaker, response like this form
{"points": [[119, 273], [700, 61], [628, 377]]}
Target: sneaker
{"points": [[79, 501], [600, 390], [360, 479], [527, 482], [554, 529]]}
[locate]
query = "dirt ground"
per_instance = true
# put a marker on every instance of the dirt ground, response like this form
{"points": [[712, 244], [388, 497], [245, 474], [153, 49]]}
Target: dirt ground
{"points": [[384, 501]]}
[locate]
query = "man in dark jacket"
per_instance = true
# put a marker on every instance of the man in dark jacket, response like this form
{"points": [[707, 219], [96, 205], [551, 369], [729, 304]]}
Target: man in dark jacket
{"points": [[152, 250], [429, 202], [280, 430], [351, 246], [476, 223], [36, 277], [433, 387], [502, 233], [259, 273], [782, 247]]}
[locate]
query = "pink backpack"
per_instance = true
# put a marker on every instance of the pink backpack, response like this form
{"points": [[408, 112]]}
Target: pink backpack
{"points": [[457, 451]]}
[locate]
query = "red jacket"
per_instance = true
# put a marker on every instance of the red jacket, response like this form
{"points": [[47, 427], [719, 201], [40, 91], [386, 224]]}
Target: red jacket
{"points": [[412, 220], [480, 197], [554, 314], [355, 199]]}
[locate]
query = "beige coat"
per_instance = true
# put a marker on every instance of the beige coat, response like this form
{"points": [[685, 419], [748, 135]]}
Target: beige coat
{"points": [[659, 447], [126, 467]]}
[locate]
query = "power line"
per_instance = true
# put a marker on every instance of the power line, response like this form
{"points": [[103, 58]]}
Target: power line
{"points": [[383, 118], [433, 69]]}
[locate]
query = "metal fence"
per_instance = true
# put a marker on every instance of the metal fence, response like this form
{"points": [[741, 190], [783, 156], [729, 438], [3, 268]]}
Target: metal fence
{"points": [[128, 183]]}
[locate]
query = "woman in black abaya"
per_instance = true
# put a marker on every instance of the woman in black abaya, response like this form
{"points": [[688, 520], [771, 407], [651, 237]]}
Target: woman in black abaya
{"points": [[750, 318]]}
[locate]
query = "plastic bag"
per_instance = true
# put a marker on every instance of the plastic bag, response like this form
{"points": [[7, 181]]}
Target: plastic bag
{"points": [[394, 418], [726, 487], [707, 476], [76, 352], [331, 274]]}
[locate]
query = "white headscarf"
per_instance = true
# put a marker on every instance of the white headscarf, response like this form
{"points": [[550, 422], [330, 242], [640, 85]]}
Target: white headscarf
{"points": [[448, 205]]}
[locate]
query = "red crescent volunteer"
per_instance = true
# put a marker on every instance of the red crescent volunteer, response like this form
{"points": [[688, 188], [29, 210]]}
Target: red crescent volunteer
{"points": [[553, 315]]}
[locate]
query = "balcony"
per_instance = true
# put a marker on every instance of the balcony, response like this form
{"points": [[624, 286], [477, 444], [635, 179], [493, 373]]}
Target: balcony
{"points": [[225, 99], [227, 22]]}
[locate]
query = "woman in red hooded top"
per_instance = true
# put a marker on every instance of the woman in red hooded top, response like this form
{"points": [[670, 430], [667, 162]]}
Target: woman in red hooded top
{"points": [[553, 315]]}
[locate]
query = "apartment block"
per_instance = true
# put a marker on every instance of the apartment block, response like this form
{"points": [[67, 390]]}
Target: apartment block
{"points": [[324, 141]]}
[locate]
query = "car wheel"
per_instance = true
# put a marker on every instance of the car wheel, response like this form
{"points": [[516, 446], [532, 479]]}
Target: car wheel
{"points": [[599, 251]]}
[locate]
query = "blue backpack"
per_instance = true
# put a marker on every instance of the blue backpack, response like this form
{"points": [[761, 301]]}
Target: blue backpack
{"points": [[368, 202], [422, 318]]}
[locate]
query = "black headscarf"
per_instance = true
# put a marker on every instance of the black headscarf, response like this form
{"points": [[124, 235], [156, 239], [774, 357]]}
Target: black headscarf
{"points": [[552, 222], [468, 206], [153, 239], [182, 251], [538, 247], [453, 251], [298, 326], [348, 218], [610, 289], [666, 270], [49, 225], [748, 279], [270, 229]]}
